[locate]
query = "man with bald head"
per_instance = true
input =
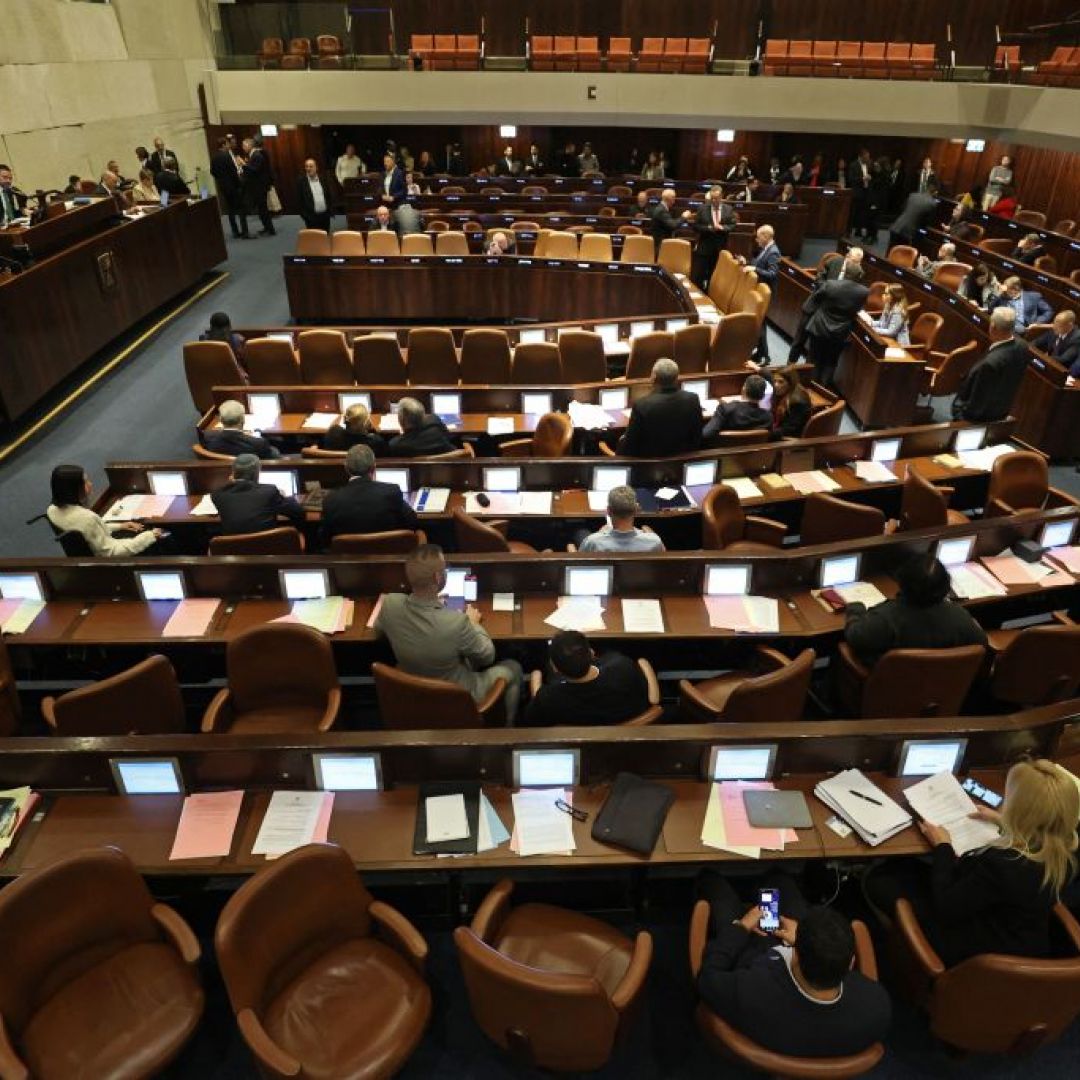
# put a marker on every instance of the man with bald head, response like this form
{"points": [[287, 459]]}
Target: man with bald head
{"points": [[109, 184], [664, 221], [667, 421], [313, 189], [713, 224], [1062, 342], [988, 389]]}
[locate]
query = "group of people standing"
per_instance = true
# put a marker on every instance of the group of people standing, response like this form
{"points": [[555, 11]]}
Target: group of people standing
{"points": [[245, 180]]}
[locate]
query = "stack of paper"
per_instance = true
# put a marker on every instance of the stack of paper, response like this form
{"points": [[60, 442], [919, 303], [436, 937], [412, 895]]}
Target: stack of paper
{"points": [[584, 613], [16, 813], [389, 422], [1010, 570], [540, 828], [500, 425], [536, 502], [206, 827], [330, 615], [984, 459], [131, 507], [642, 617], [499, 502], [727, 826], [806, 483], [446, 818], [204, 507], [1067, 557], [598, 501], [744, 614], [431, 500], [293, 819], [491, 832], [863, 805], [191, 618], [586, 415], [873, 472], [972, 582], [941, 800], [320, 421], [744, 487], [16, 616]]}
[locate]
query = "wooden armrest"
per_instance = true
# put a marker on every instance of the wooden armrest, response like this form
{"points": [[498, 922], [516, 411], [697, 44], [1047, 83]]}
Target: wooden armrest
{"points": [[11, 1065], [494, 698], [500, 525], [606, 450], [492, 910], [333, 707], [699, 935], [400, 933], [649, 716], [516, 448], [266, 1051], [178, 932], [999, 508], [1063, 618], [652, 683], [218, 713], [865, 958], [761, 530], [634, 980], [1055, 497], [536, 680], [695, 697], [1068, 924], [772, 659], [851, 661], [920, 948]]}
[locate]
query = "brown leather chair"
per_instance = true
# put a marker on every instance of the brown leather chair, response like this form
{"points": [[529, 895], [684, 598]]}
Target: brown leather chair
{"points": [[924, 333], [646, 349], [201, 451], [730, 1043], [452, 241], [382, 242], [433, 360], [825, 422], [924, 505], [391, 542], [581, 357], [553, 988], [777, 693], [10, 709], [692, 348], [553, 437], [472, 535], [281, 681], [561, 245], [143, 700], [271, 362], [734, 342], [536, 364], [750, 437], [325, 359], [991, 1003], [269, 56], [208, 364], [415, 703], [596, 247], [98, 979], [485, 356], [903, 255], [1035, 218], [284, 540], [347, 242], [636, 248], [1038, 665], [908, 682], [997, 246], [651, 715], [946, 371], [378, 360], [417, 244], [724, 525], [325, 981], [1020, 481], [674, 256], [949, 274], [313, 242], [827, 519]]}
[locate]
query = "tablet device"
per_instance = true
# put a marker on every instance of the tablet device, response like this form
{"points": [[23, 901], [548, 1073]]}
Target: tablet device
{"points": [[531, 337], [399, 477], [700, 387], [1057, 534], [22, 586], [167, 483], [304, 584], [160, 584], [885, 449], [455, 582], [609, 334], [954, 552], [266, 408], [673, 326], [502, 479], [969, 438], [727, 579], [927, 757], [606, 477], [615, 400], [349, 398], [767, 809], [283, 479], [546, 768], [839, 570], [347, 772], [446, 406], [534, 403], [642, 327], [699, 473], [588, 581], [147, 776], [741, 762]]}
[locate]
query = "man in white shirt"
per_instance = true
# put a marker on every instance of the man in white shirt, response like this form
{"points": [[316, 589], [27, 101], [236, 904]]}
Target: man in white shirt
{"points": [[314, 197], [349, 166]]}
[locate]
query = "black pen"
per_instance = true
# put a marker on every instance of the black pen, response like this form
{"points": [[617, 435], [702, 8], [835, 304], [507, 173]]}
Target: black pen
{"points": [[860, 795]]}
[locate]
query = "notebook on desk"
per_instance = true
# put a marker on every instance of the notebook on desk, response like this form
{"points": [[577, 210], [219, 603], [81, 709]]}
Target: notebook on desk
{"points": [[470, 794], [863, 805]]}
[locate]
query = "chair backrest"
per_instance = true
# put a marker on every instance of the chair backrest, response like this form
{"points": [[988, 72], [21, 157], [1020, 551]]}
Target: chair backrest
{"points": [[596, 247], [953, 370], [724, 281], [620, 190], [432, 357], [755, 302], [437, 225], [561, 245], [743, 438], [197, 449], [674, 256], [451, 242], [391, 542], [1047, 264], [1034, 218], [631, 230], [485, 356], [293, 62], [827, 519], [996, 246], [903, 255], [1019, 480], [1039, 666], [383, 242], [921, 682], [143, 700], [325, 359], [949, 274], [734, 342], [411, 702], [825, 422], [271, 362], [208, 364], [536, 363], [300, 46], [1065, 226], [693, 346], [637, 248], [922, 505], [416, 244], [473, 535], [313, 242], [723, 520], [378, 360], [284, 540], [777, 697], [553, 436], [581, 357], [347, 242], [327, 44], [272, 45], [925, 329], [646, 349]]}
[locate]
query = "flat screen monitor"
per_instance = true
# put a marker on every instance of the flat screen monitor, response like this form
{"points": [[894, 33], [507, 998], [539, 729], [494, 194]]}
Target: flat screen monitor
{"points": [[444, 404], [644, 326], [531, 337], [885, 449], [535, 403], [699, 473], [742, 762], [606, 477], [588, 581], [546, 768], [609, 332], [21, 587], [398, 477], [1057, 534], [955, 552], [619, 398], [160, 584], [673, 326], [927, 757], [699, 387], [839, 570], [502, 479], [147, 776], [266, 408], [347, 772], [455, 582], [969, 438], [727, 579], [304, 584], [283, 479], [349, 398], [167, 483]]}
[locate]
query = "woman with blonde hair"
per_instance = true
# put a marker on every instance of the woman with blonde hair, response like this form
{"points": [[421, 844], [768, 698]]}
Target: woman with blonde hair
{"points": [[998, 899], [144, 190], [357, 428], [893, 320]]}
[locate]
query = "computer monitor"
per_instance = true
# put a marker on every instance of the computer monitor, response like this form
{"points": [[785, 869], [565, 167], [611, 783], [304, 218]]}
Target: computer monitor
{"points": [[954, 552], [927, 757], [616, 399], [546, 768], [644, 326], [304, 584], [160, 584], [588, 580], [606, 477], [455, 582], [347, 772], [885, 449], [741, 762], [568, 329], [673, 326], [609, 332], [349, 398], [531, 337], [266, 408], [283, 479], [167, 483], [444, 404], [727, 579], [535, 403], [499, 478], [147, 776], [969, 438], [839, 570], [699, 473], [699, 387], [21, 587], [1057, 534], [400, 477]]}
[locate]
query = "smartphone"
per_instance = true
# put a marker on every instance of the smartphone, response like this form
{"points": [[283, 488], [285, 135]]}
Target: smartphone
{"points": [[470, 588], [769, 906], [983, 794]]}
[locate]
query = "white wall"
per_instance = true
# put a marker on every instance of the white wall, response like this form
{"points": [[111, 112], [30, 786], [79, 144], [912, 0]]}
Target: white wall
{"points": [[82, 83]]}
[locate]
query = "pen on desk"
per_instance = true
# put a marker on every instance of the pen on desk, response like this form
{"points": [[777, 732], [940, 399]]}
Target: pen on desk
{"points": [[860, 795]]}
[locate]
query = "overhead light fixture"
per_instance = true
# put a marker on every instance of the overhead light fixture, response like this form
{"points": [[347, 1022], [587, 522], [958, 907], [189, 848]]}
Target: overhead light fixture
{"points": [[725, 135], [268, 130], [507, 131]]}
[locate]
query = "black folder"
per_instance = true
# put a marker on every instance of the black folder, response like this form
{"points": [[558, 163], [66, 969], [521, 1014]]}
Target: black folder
{"points": [[471, 793]]}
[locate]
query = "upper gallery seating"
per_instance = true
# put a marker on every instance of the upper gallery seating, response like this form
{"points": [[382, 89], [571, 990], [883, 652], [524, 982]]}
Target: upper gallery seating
{"points": [[447, 52], [328, 53], [1062, 69], [687, 56], [851, 59]]}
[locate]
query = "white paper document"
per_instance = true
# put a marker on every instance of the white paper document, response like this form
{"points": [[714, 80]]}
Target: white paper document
{"points": [[434, 502], [873, 472], [863, 805], [204, 507], [585, 414], [666, 493], [490, 831], [500, 425], [744, 487], [984, 459], [583, 613], [972, 582], [389, 422], [941, 800], [502, 601], [536, 502], [542, 829], [320, 421], [598, 501], [806, 483], [499, 502], [290, 822], [446, 818], [861, 592], [642, 617]]}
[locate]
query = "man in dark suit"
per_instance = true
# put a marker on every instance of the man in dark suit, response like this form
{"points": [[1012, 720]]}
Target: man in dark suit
{"points": [[1030, 306], [258, 179], [664, 222], [765, 262], [534, 163], [384, 220], [507, 165], [364, 505], [836, 268], [393, 181], [227, 169], [157, 158], [920, 211], [833, 310], [453, 164], [988, 389], [231, 438], [1062, 343], [713, 223], [667, 421], [746, 414], [859, 179], [246, 506], [421, 433], [314, 193], [169, 180], [926, 178], [1028, 249]]}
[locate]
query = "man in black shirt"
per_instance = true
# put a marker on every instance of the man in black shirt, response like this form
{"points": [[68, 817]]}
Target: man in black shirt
{"points": [[746, 414], [988, 389], [421, 433], [246, 506], [588, 689], [231, 438], [364, 504], [665, 422]]}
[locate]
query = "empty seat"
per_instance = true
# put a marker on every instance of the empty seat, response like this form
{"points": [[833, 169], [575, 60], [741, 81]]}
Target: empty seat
{"points": [[674, 256], [924, 505], [443, 52], [208, 364], [1020, 481], [284, 540], [734, 342], [775, 57], [692, 346], [827, 519], [950, 370], [433, 358], [542, 52], [924, 333], [553, 437], [324, 358], [923, 59], [776, 693], [949, 274], [698, 56], [473, 535], [468, 53], [416, 244], [383, 242], [378, 360], [800, 58], [618, 54], [873, 60], [637, 249], [581, 357], [536, 364], [485, 356], [271, 362], [1036, 666], [565, 52], [1035, 218], [674, 55], [646, 349], [390, 542], [561, 245], [725, 526], [588, 54], [451, 242], [651, 54], [903, 255], [313, 242], [849, 58], [347, 242], [596, 247], [824, 54], [825, 422]]}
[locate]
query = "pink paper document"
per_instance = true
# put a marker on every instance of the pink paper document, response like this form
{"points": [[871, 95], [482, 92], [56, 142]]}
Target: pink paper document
{"points": [[375, 612], [207, 823], [1010, 570], [191, 618], [7, 609], [1069, 557], [748, 614], [739, 830], [322, 826]]}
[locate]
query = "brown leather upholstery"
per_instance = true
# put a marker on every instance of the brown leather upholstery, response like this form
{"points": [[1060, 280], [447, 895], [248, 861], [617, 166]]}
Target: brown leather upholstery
{"points": [[596, 247], [1018, 481], [485, 356], [382, 242], [391, 542], [561, 245], [692, 347], [98, 980], [637, 248], [143, 700], [284, 540], [415, 703], [725, 526], [674, 256], [908, 682], [825, 422], [451, 241], [432, 357], [749, 437], [723, 1038], [462, 453], [271, 362], [735, 340], [949, 274], [208, 364], [378, 360], [924, 505], [10, 709], [924, 332], [325, 981], [472, 535], [200, 451], [347, 242], [281, 680], [553, 437], [325, 359], [313, 242], [581, 357], [827, 519], [1036, 666], [551, 987], [416, 244], [536, 364], [903, 255], [950, 370], [995, 1004], [777, 695], [646, 349]]}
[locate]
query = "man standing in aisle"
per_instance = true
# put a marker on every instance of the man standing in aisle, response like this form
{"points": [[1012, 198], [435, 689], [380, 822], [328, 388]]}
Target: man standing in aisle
{"points": [[713, 224], [259, 178], [227, 169], [314, 193]]}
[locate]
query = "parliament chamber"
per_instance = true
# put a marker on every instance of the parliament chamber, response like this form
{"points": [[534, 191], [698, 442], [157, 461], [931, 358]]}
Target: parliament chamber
{"points": [[540, 539]]}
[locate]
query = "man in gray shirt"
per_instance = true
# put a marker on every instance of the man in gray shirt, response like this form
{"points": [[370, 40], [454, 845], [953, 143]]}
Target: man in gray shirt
{"points": [[622, 534], [435, 642]]}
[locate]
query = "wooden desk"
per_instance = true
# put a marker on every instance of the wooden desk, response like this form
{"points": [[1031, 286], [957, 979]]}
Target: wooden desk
{"points": [[1065, 249], [62, 230]]}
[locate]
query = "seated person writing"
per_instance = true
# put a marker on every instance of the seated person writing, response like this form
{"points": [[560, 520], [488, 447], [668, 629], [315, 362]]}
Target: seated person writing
{"points": [[622, 534], [356, 431], [231, 438], [246, 506], [746, 414], [587, 689], [421, 433]]}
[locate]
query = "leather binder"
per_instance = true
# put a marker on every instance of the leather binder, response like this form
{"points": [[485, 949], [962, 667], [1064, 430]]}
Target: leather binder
{"points": [[633, 813]]}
